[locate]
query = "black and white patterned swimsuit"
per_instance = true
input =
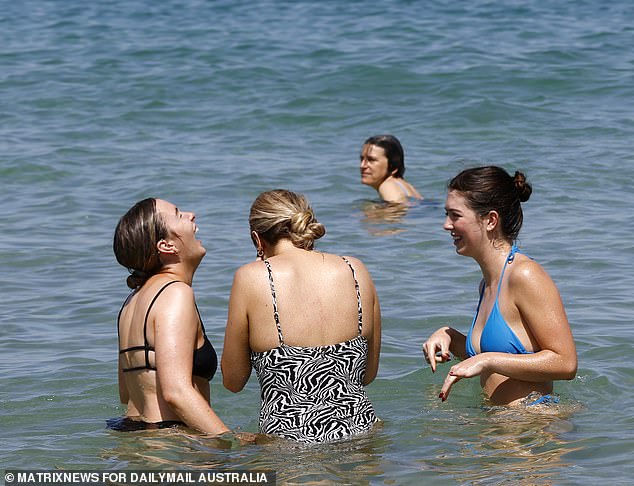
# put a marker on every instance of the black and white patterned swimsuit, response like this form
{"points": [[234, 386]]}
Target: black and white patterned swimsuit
{"points": [[314, 394]]}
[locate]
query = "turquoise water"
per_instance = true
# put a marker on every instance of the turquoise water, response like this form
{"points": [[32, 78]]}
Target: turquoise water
{"points": [[209, 103]]}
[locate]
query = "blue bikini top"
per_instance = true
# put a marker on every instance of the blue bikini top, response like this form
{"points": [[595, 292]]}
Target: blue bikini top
{"points": [[496, 336]]}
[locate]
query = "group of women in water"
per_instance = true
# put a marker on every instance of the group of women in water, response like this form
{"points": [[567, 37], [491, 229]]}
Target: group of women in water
{"points": [[310, 322]]}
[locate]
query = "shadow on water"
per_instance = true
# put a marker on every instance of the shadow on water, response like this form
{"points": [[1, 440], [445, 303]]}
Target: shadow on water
{"points": [[524, 446], [384, 218], [352, 461]]}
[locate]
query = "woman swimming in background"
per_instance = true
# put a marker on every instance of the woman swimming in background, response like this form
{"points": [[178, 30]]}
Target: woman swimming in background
{"points": [[382, 165], [520, 339], [308, 322], [165, 358]]}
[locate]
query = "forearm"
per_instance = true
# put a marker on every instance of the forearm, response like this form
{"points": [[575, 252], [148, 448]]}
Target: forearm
{"points": [[545, 365], [458, 345], [195, 411], [124, 396]]}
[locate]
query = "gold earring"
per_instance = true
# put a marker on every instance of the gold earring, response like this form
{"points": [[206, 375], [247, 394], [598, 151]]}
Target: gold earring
{"points": [[260, 253]]}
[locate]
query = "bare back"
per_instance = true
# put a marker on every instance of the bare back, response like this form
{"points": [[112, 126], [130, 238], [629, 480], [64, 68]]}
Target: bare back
{"points": [[137, 331], [316, 301]]}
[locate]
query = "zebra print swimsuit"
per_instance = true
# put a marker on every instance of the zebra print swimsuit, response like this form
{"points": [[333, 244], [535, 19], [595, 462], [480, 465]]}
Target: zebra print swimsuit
{"points": [[314, 394]]}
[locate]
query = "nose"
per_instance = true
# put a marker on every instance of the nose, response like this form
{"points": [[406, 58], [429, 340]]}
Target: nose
{"points": [[191, 215], [447, 225], [363, 162]]}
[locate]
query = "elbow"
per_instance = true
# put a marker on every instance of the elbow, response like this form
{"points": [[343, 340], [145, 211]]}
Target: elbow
{"points": [[571, 369], [232, 381], [174, 396], [232, 385], [369, 376], [172, 400], [568, 369]]}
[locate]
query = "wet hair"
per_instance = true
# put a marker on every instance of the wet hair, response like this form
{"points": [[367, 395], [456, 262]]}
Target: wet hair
{"points": [[282, 214], [135, 239], [491, 188], [393, 151]]}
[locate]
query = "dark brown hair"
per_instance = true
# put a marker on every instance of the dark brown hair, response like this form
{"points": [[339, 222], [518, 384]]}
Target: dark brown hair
{"points": [[491, 188], [393, 152], [135, 239]]}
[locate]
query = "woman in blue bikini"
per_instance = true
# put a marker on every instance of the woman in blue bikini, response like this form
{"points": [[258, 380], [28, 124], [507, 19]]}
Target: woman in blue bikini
{"points": [[520, 339]]}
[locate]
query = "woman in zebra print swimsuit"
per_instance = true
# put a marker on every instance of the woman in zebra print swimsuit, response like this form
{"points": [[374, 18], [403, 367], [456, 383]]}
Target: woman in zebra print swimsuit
{"points": [[308, 322]]}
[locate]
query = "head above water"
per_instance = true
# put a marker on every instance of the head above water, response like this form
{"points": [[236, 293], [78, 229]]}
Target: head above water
{"points": [[135, 241], [491, 188], [393, 152], [282, 214]]}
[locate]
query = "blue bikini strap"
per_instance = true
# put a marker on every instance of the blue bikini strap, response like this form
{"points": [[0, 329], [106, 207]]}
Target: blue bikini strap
{"points": [[509, 259]]}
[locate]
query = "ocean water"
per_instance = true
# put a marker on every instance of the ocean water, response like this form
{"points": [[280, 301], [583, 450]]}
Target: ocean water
{"points": [[207, 104]]}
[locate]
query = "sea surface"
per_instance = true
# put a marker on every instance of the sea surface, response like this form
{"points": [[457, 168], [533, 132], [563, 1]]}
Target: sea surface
{"points": [[208, 103]]}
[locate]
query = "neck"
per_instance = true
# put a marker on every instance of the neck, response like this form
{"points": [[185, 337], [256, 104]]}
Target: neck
{"points": [[178, 272], [283, 246], [379, 184], [492, 261]]}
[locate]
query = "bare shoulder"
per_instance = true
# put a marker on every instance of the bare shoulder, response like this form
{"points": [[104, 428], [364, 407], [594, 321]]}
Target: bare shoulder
{"points": [[249, 273], [179, 290], [359, 268], [355, 262], [528, 274], [250, 268]]}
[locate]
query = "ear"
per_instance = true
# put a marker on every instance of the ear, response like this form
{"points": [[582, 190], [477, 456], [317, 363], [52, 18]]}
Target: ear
{"points": [[492, 220], [256, 239], [165, 246]]}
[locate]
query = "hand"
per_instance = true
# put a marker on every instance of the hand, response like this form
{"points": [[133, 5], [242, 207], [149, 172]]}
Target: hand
{"points": [[436, 348], [468, 368], [246, 438]]}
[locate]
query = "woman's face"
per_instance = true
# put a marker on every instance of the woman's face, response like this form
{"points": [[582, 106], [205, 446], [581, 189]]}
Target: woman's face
{"points": [[373, 165], [181, 226], [466, 227]]}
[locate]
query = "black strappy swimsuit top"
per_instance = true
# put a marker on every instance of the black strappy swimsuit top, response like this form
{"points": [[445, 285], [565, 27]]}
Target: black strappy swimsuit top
{"points": [[205, 358]]}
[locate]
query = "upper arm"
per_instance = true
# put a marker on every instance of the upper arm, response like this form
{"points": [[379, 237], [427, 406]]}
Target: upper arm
{"points": [[542, 310], [371, 318], [391, 192], [124, 395], [235, 362], [175, 336], [374, 351]]}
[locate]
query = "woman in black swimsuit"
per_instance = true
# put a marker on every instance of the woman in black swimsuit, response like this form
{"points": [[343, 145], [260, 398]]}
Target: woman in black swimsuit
{"points": [[165, 359]]}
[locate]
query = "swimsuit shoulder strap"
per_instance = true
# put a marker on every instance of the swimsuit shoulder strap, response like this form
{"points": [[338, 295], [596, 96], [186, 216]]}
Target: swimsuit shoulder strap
{"points": [[147, 313], [402, 186], [200, 319], [356, 286], [509, 260], [275, 313]]}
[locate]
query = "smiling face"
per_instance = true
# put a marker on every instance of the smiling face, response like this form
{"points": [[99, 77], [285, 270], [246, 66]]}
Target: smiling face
{"points": [[373, 165], [182, 229], [468, 230]]}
